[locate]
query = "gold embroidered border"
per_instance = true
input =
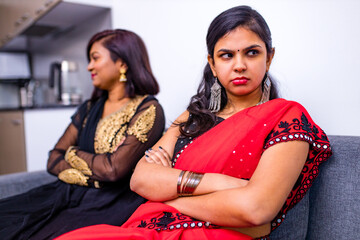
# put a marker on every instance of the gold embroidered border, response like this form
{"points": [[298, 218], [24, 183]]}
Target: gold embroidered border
{"points": [[143, 124], [77, 162], [110, 131], [73, 176]]}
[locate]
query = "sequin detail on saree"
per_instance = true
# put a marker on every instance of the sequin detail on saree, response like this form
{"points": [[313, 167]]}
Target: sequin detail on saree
{"points": [[170, 221]]}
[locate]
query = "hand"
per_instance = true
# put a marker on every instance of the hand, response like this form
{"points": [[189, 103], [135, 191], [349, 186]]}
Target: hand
{"points": [[158, 156]]}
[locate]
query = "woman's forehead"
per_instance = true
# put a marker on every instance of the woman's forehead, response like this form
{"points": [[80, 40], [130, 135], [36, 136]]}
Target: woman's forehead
{"points": [[240, 37]]}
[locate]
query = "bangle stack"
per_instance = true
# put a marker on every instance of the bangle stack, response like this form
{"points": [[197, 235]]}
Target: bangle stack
{"points": [[188, 182]]}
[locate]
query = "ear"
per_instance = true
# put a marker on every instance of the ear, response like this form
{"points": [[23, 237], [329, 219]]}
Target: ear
{"points": [[120, 64], [269, 59], [211, 63]]}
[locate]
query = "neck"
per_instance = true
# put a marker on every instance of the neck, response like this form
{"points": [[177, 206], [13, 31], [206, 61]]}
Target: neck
{"points": [[117, 93], [239, 103]]}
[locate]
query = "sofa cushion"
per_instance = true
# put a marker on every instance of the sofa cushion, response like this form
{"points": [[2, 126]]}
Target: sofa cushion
{"points": [[16, 183], [335, 194]]}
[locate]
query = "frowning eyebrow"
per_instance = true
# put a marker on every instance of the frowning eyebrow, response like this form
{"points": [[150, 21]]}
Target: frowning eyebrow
{"points": [[245, 49]]}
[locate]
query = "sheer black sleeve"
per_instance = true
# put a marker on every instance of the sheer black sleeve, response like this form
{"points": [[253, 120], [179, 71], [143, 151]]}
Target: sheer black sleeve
{"points": [[56, 162], [119, 164]]}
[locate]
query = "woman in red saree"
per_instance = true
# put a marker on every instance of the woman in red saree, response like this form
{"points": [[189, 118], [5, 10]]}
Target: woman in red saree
{"points": [[244, 156]]}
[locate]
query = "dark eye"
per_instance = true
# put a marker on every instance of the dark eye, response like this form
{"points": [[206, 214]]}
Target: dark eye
{"points": [[226, 55], [252, 52]]}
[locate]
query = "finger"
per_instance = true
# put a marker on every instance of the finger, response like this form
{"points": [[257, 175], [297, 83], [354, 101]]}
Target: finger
{"points": [[148, 159], [159, 157], [154, 156], [166, 154]]}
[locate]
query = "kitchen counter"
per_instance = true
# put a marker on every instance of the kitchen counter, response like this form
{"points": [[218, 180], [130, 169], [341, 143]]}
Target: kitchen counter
{"points": [[45, 106]]}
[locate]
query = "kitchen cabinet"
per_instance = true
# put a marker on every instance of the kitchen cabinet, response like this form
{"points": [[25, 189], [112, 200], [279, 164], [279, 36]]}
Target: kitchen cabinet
{"points": [[12, 142], [28, 135], [16, 16], [103, 3]]}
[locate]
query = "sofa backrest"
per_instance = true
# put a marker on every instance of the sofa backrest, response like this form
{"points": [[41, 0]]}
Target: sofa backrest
{"points": [[335, 196], [331, 209]]}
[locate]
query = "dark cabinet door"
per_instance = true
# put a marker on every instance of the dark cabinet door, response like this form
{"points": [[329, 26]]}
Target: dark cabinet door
{"points": [[12, 142]]}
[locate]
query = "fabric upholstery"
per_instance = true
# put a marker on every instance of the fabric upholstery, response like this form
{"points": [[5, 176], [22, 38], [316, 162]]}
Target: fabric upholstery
{"points": [[16, 183], [335, 196], [331, 209]]}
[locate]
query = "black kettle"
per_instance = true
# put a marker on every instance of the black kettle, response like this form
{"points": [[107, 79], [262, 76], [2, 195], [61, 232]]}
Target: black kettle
{"points": [[55, 70]]}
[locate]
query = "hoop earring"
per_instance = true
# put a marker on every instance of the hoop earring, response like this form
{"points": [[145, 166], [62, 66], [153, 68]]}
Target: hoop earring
{"points": [[266, 91], [122, 75], [215, 96]]}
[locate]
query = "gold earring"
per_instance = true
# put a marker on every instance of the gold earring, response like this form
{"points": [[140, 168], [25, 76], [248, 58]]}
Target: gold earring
{"points": [[122, 75]]}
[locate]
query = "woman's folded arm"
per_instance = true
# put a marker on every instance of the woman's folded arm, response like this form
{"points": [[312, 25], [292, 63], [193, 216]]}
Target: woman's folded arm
{"points": [[260, 200]]}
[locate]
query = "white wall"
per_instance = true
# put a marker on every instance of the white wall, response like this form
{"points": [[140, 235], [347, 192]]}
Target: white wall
{"points": [[43, 128], [317, 51]]}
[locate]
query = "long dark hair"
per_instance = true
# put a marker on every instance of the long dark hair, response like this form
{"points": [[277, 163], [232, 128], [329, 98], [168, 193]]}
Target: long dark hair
{"points": [[241, 16], [130, 48]]}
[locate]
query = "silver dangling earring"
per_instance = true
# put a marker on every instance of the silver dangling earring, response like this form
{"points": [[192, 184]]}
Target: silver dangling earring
{"points": [[266, 91], [215, 96]]}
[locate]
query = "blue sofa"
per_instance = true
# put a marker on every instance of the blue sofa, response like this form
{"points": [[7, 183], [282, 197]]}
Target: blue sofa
{"points": [[330, 210]]}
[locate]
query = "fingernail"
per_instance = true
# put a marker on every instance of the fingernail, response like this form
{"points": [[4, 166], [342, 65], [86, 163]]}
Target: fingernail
{"points": [[150, 149], [160, 147], [147, 151]]}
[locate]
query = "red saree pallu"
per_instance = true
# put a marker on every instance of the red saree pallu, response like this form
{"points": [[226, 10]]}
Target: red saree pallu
{"points": [[233, 147]]}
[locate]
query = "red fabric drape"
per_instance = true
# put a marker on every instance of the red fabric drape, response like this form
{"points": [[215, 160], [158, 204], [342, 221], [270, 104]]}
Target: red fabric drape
{"points": [[234, 148]]}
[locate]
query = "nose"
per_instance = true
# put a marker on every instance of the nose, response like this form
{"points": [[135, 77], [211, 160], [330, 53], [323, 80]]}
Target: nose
{"points": [[239, 63], [90, 66]]}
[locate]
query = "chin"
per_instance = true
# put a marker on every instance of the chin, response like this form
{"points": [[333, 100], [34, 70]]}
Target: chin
{"points": [[97, 85]]}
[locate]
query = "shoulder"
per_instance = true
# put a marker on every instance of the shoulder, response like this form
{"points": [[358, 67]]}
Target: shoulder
{"points": [[148, 100], [284, 107], [281, 102], [83, 107], [85, 104], [149, 106], [292, 122]]}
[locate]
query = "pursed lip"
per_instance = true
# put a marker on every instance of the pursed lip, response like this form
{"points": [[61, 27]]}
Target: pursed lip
{"points": [[240, 80]]}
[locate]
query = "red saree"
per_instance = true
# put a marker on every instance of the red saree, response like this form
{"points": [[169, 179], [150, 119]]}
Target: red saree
{"points": [[234, 148]]}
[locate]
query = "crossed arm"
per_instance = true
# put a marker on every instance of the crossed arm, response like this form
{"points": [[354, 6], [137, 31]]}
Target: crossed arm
{"points": [[107, 166], [221, 199]]}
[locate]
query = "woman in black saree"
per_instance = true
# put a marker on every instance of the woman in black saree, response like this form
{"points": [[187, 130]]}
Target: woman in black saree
{"points": [[96, 155]]}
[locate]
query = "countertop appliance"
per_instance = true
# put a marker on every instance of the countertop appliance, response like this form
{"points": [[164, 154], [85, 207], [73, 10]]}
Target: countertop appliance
{"points": [[48, 31], [14, 66], [65, 76]]}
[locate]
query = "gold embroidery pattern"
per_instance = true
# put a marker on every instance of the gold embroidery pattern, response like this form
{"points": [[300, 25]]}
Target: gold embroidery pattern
{"points": [[143, 124], [73, 176], [77, 162], [110, 131]]}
